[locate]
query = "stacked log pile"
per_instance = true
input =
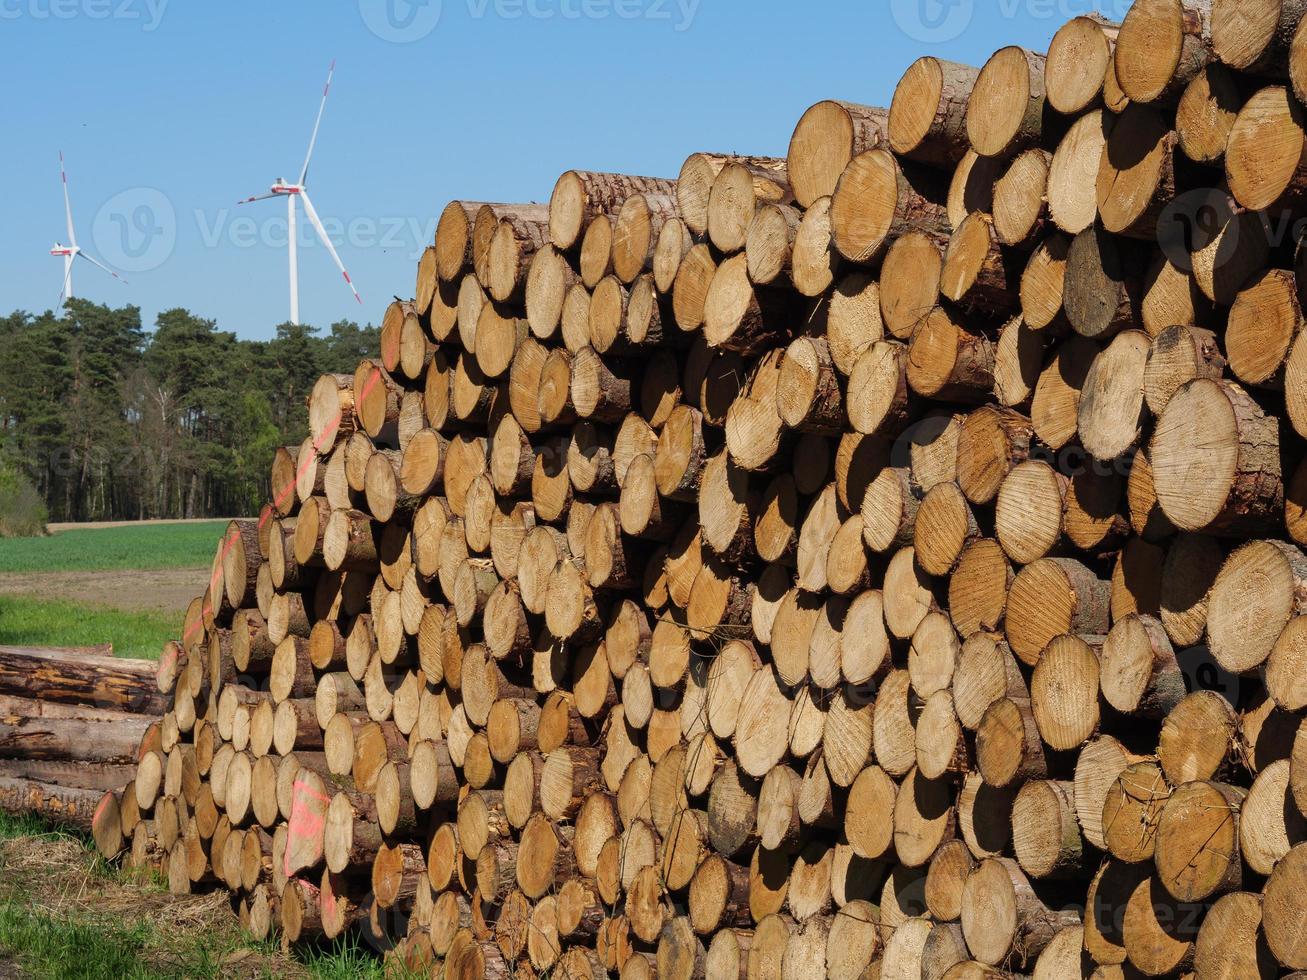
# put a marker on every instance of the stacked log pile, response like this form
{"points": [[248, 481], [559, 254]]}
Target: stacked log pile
{"points": [[884, 561], [72, 724]]}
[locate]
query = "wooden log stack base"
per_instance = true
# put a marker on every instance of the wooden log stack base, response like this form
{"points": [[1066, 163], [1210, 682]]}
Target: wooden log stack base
{"points": [[74, 724], [885, 561]]}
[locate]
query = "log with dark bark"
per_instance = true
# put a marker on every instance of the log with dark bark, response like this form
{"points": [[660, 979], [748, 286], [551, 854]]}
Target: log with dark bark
{"points": [[76, 678]]}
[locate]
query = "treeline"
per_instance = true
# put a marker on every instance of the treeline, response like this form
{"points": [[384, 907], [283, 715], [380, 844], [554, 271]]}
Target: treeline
{"points": [[110, 422]]}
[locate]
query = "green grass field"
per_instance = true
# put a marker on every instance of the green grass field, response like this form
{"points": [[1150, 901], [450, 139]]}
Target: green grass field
{"points": [[147, 546], [32, 621]]}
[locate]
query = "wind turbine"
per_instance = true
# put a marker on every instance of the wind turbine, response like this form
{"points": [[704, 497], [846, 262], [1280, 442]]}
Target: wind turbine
{"points": [[299, 190], [71, 251]]}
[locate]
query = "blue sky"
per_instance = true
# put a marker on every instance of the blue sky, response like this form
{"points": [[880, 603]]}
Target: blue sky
{"points": [[169, 111]]}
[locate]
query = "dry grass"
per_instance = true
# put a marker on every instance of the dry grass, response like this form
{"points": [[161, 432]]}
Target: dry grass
{"points": [[65, 913]]}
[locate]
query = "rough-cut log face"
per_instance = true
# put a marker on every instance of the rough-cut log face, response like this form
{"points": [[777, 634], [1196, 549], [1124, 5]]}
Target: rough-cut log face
{"points": [[1230, 942], [1064, 693], [1196, 737], [1283, 916], [453, 248], [1044, 832], [331, 406], [596, 251], [909, 282], [1269, 819], [1207, 113], [567, 210], [971, 188], [1004, 737], [1043, 281], [1242, 33], [826, 138], [984, 673], [968, 250], [877, 382], [1266, 148], [1135, 163], [1263, 323], [694, 187], [1020, 201], [1251, 601], [1132, 807], [1078, 59], [1073, 174], [690, 292], [736, 192], [1111, 410], [944, 525], [1028, 515], [1138, 663], [770, 241], [1298, 61], [928, 101], [1101, 287], [1177, 356], [1151, 45], [999, 103], [990, 913], [813, 262], [548, 281], [674, 242], [941, 354], [863, 205], [1197, 838], [1202, 451]]}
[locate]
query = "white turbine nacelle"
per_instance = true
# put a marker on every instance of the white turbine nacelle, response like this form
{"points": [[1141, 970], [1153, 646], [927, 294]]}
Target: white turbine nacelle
{"points": [[298, 190], [70, 252]]}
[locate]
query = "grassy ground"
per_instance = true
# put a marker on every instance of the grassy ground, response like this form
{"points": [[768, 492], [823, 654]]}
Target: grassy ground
{"points": [[34, 621], [64, 913], [122, 585], [144, 546]]}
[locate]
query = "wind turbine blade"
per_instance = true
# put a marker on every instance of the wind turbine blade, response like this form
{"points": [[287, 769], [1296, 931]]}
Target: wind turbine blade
{"points": [[101, 265], [322, 106], [68, 206], [256, 197], [322, 233]]}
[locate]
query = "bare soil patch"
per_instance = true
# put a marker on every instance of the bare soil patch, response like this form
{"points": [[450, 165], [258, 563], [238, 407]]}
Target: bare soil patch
{"points": [[101, 525], [160, 590]]}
